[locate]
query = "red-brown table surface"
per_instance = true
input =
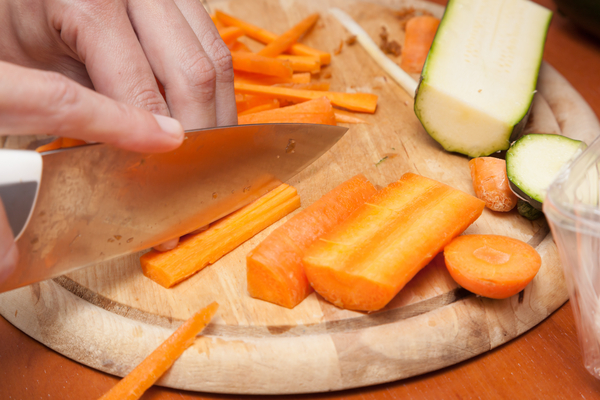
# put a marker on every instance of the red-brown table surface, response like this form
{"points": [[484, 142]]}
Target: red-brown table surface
{"points": [[542, 363]]}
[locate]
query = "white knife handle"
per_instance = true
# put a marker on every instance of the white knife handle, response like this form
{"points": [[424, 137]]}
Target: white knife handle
{"points": [[20, 177]]}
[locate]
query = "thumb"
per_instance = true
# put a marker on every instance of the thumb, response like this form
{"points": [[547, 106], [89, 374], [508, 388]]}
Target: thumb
{"points": [[41, 102]]}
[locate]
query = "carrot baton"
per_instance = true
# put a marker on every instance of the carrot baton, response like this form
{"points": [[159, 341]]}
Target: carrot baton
{"points": [[490, 183], [271, 105], [347, 117], [230, 34], [238, 46], [302, 63], [251, 62], [420, 32], [321, 86], [318, 111], [259, 79], [285, 41]]}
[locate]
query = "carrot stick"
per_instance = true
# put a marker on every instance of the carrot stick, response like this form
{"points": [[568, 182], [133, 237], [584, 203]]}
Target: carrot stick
{"points": [[259, 79], [194, 252], [274, 268], [245, 102], [273, 104], [285, 41], [251, 62], [347, 117], [491, 183], [490, 265], [367, 259], [321, 86], [318, 111], [418, 38], [230, 34], [266, 37], [238, 46], [302, 63], [364, 102], [133, 386], [215, 20], [60, 143]]}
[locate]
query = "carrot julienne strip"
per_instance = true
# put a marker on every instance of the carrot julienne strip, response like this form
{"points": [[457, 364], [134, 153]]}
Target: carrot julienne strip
{"points": [[251, 62], [317, 111], [286, 40]]}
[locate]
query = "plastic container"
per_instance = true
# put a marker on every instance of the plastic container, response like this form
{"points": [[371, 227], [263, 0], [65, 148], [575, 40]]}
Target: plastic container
{"points": [[572, 207]]}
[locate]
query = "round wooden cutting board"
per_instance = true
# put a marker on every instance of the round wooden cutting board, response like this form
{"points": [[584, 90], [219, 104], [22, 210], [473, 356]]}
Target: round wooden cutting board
{"points": [[110, 316]]}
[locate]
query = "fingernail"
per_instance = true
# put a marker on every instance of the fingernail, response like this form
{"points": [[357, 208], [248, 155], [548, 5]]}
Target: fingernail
{"points": [[170, 126]]}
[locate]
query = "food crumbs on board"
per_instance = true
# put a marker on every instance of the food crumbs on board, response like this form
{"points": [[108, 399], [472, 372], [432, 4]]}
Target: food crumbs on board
{"points": [[351, 40], [382, 160], [339, 49]]}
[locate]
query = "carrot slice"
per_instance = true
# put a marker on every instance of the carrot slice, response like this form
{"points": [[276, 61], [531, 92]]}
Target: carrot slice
{"points": [[195, 252], [491, 183], [347, 117], [418, 38], [60, 143], [259, 79], [318, 111], [364, 102], [286, 40], [230, 34], [302, 63], [266, 37], [490, 265], [271, 105], [367, 259], [133, 386], [251, 62], [274, 268]]}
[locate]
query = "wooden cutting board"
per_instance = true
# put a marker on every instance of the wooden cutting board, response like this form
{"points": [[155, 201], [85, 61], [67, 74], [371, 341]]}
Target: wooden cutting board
{"points": [[110, 316]]}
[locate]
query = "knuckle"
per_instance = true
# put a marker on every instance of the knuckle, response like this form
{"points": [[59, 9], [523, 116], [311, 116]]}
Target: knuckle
{"points": [[201, 76], [149, 100]]}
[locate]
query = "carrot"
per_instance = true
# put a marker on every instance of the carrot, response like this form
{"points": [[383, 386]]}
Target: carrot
{"points": [[286, 40], [274, 268], [364, 102], [318, 111], [230, 34], [245, 102], [266, 37], [321, 86], [271, 105], [259, 79], [347, 117], [367, 259], [143, 376], [60, 143], [418, 38], [490, 265], [491, 183], [302, 63], [251, 62], [194, 252], [215, 20], [238, 46]]}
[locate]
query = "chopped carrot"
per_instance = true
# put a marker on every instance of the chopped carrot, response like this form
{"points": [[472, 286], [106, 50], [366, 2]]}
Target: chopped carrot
{"points": [[364, 102], [367, 259], [217, 22], [418, 38], [245, 102], [142, 377], [321, 86], [60, 143], [285, 41], [317, 111], [194, 252], [251, 62], [238, 46], [303, 63], [490, 265], [230, 34], [259, 79], [266, 37], [274, 268], [271, 105], [491, 183], [347, 117]]}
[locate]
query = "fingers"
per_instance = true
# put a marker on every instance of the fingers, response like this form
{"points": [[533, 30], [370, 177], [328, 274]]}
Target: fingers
{"points": [[39, 102], [9, 255]]}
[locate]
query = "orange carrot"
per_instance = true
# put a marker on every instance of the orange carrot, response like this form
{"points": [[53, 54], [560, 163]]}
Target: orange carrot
{"points": [[491, 183], [321, 86], [133, 386], [60, 143], [347, 117], [266, 37], [367, 259], [418, 38], [364, 102], [251, 62], [274, 268], [245, 102], [303, 63], [259, 79], [285, 41], [194, 252], [318, 111], [215, 20], [230, 34], [238, 46], [271, 105], [490, 265]]}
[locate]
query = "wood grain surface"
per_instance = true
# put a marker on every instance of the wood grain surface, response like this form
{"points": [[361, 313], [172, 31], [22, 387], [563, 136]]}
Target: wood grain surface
{"points": [[491, 376]]}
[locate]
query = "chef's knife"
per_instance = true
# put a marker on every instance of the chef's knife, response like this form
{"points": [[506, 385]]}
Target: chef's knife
{"points": [[95, 202]]}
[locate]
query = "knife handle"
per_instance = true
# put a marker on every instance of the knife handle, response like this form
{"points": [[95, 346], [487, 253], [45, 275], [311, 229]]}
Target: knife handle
{"points": [[20, 177]]}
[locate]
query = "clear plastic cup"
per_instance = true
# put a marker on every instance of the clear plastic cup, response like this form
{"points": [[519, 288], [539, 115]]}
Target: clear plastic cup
{"points": [[572, 207]]}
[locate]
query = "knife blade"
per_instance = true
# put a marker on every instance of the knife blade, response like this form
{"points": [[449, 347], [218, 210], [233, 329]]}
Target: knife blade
{"points": [[96, 202]]}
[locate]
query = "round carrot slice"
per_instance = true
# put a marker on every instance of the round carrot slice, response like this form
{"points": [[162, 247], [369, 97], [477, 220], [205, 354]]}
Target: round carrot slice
{"points": [[490, 265]]}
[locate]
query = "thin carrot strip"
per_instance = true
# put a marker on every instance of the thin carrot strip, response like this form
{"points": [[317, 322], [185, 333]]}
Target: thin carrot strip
{"points": [[238, 46], [230, 34], [321, 86], [286, 40], [197, 251], [347, 117], [245, 102], [142, 377], [60, 143], [318, 111], [302, 63], [217, 22], [251, 62], [273, 104], [259, 79], [266, 37], [420, 32], [363, 102]]}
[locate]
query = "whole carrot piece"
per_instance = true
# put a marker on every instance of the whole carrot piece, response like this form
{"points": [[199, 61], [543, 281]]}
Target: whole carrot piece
{"points": [[160, 360], [418, 38]]}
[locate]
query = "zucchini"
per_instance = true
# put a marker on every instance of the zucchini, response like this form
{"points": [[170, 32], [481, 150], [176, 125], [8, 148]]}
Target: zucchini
{"points": [[528, 211], [480, 75], [535, 160]]}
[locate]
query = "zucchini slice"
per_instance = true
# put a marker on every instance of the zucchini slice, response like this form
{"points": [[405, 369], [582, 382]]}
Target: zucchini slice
{"points": [[480, 75]]}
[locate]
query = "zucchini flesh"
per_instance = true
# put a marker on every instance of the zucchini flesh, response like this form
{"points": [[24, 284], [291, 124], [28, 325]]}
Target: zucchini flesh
{"points": [[481, 72]]}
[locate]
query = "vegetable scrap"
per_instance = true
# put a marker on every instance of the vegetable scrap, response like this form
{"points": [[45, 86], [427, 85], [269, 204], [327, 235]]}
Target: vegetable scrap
{"points": [[387, 46], [490, 183]]}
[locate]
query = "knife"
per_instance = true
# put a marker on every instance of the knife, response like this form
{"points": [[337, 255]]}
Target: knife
{"points": [[79, 206]]}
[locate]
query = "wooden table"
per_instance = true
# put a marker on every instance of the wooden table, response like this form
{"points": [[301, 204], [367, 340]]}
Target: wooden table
{"points": [[542, 363]]}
